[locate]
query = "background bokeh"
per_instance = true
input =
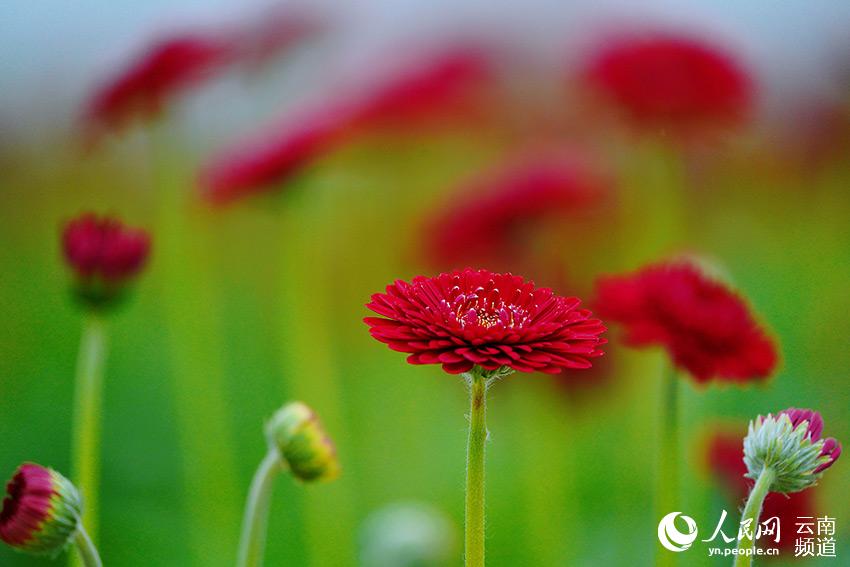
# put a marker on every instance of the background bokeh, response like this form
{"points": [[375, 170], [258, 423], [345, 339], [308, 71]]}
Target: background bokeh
{"points": [[247, 306]]}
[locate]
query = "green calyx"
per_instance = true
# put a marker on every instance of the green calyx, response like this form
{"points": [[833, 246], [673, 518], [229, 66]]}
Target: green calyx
{"points": [[58, 529], [773, 442]]}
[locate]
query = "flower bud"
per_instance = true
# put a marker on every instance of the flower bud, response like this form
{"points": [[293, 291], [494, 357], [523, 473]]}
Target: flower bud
{"points": [[104, 255], [41, 511], [790, 444], [295, 431]]}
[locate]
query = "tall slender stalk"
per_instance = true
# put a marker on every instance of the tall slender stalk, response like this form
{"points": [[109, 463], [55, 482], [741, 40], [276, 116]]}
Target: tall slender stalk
{"points": [[254, 526], [668, 481], [87, 551], [475, 449], [87, 415], [752, 511]]}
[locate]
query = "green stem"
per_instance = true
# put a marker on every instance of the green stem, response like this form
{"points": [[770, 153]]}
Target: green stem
{"points": [[668, 481], [752, 511], [253, 540], [87, 415], [474, 556], [88, 552]]}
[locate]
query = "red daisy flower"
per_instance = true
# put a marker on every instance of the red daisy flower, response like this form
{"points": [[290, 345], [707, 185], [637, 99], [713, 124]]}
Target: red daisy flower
{"points": [[707, 329], [476, 317], [487, 224], [672, 82], [725, 457]]}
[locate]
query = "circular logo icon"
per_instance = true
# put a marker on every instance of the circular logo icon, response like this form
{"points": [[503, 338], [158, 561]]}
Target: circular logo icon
{"points": [[670, 536]]}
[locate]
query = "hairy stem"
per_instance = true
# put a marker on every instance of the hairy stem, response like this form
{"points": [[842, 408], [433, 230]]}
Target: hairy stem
{"points": [[752, 511], [474, 526]]}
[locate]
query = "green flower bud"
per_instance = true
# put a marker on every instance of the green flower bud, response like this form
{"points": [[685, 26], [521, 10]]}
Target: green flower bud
{"points": [[792, 453], [297, 434]]}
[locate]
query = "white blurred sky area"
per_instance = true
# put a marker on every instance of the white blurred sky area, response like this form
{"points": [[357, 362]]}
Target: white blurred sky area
{"points": [[54, 52]]}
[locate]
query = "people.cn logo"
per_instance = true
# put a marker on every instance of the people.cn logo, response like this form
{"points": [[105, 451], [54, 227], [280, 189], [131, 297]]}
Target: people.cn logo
{"points": [[670, 536]]}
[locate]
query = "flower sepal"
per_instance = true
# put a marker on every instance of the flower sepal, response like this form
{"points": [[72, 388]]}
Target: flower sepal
{"points": [[296, 433], [791, 448]]}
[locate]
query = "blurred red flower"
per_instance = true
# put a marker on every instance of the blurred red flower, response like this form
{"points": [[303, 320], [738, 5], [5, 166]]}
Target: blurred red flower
{"points": [[257, 164], [177, 64], [476, 317], [166, 69], [725, 459], [707, 329], [486, 224], [438, 91], [103, 248], [671, 82]]}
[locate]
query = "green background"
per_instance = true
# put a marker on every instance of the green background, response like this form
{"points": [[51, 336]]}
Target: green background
{"points": [[244, 308]]}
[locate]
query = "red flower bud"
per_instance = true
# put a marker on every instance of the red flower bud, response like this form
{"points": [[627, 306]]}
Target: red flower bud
{"points": [[41, 511], [104, 254]]}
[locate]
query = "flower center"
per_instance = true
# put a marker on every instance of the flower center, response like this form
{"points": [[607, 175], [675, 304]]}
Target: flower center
{"points": [[484, 309]]}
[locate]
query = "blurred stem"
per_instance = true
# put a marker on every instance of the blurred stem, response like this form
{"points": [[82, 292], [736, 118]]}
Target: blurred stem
{"points": [[254, 525], [87, 415], [88, 552], [668, 482], [190, 298], [474, 536], [752, 511]]}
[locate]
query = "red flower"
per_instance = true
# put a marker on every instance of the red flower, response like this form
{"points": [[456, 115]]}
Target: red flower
{"points": [[104, 255], [167, 68], [725, 458], [41, 511], [445, 87], [814, 421], [707, 328], [475, 317], [253, 166], [176, 64], [489, 223], [439, 89], [671, 82]]}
